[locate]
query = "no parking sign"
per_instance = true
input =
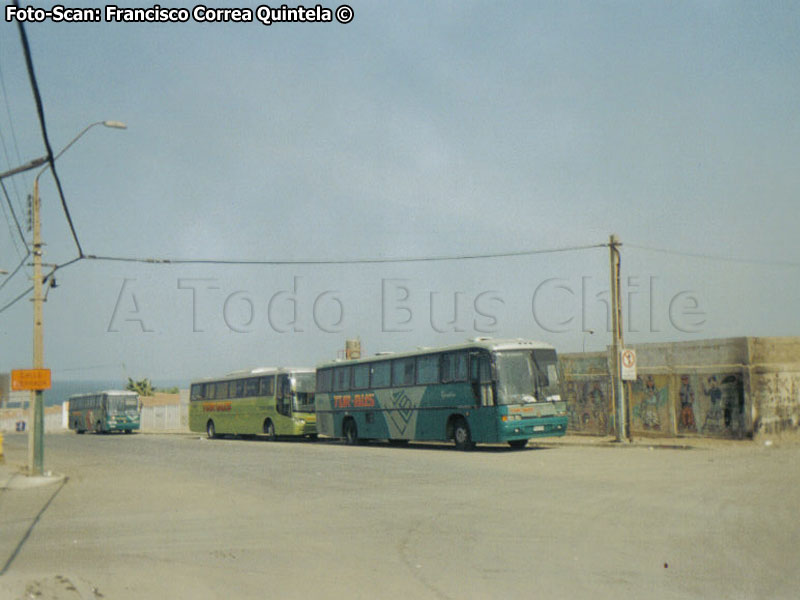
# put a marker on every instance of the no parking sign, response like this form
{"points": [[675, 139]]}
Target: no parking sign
{"points": [[628, 362]]}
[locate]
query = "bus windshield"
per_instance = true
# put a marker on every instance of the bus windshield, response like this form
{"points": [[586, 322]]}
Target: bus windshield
{"points": [[524, 376], [303, 388], [121, 404]]}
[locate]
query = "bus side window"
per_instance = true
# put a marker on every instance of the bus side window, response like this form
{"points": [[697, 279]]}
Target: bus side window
{"points": [[324, 380], [267, 385], [252, 388], [360, 377]]}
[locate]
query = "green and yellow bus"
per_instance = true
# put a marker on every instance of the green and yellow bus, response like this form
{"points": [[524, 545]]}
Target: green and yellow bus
{"points": [[487, 391], [104, 412], [269, 401]]}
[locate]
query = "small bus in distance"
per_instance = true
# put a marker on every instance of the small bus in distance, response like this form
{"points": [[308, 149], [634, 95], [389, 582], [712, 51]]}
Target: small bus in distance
{"points": [[104, 412], [484, 391], [266, 401]]}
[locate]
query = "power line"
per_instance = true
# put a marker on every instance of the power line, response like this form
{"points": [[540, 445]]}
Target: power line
{"points": [[40, 111], [16, 221], [345, 261], [13, 135], [14, 272], [754, 261], [17, 299]]}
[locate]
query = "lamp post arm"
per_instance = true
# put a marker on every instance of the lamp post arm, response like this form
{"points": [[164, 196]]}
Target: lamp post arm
{"points": [[67, 147]]}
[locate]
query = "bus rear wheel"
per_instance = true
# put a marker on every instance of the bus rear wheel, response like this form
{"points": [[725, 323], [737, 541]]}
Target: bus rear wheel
{"points": [[461, 435], [211, 432], [350, 432], [269, 430]]}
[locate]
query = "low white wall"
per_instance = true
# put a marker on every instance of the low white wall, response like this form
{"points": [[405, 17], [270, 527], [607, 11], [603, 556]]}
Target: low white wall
{"points": [[169, 417]]}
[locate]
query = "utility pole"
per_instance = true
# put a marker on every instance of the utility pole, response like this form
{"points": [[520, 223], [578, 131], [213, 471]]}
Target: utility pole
{"points": [[617, 390], [36, 414], [36, 418]]}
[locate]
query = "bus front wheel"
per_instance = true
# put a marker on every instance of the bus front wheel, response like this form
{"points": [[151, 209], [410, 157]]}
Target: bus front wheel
{"points": [[211, 432], [461, 435], [269, 430]]}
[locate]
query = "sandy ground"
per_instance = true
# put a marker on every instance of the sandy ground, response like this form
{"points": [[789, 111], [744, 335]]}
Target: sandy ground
{"points": [[148, 516]]}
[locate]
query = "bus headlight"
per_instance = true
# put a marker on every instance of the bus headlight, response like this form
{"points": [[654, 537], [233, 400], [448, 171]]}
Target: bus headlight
{"points": [[299, 421]]}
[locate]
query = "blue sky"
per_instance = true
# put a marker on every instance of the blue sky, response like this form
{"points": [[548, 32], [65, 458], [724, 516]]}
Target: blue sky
{"points": [[419, 129]]}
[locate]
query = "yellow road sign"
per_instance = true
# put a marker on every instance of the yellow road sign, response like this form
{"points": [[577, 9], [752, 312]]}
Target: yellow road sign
{"points": [[30, 379]]}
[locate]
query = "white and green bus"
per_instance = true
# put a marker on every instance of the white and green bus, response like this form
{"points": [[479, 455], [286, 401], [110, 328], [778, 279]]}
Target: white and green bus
{"points": [[484, 391], [104, 412], [266, 401]]}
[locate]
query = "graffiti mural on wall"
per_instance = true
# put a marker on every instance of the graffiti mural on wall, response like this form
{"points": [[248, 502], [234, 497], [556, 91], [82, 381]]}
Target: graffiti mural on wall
{"points": [[722, 404], [649, 403], [586, 387], [711, 404], [686, 402], [777, 398], [588, 406]]}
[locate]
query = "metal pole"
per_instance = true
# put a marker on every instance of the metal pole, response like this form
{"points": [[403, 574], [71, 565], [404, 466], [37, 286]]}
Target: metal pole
{"points": [[616, 343], [36, 429]]}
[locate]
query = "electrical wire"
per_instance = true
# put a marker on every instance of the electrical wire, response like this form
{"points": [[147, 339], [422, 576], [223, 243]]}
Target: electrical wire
{"points": [[354, 261], [753, 261], [13, 136], [17, 299], [16, 220], [8, 277], [40, 111], [346, 261]]}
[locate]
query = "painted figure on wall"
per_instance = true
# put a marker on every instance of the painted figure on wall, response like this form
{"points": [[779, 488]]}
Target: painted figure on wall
{"points": [[714, 416], [599, 407], [686, 422], [573, 410], [650, 417], [587, 408]]}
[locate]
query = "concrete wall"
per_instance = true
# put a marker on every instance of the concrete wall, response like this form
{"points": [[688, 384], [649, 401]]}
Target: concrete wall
{"points": [[53, 419], [165, 418], [731, 388], [773, 379], [170, 414]]}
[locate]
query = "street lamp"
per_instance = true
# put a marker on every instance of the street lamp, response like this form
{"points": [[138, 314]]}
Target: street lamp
{"points": [[36, 431]]}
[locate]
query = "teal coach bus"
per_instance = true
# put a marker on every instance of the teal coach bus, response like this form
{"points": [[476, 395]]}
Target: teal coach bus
{"points": [[484, 391], [104, 412]]}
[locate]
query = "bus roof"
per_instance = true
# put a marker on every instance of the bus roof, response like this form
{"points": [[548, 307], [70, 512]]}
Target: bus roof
{"points": [[107, 393], [257, 372], [489, 344]]}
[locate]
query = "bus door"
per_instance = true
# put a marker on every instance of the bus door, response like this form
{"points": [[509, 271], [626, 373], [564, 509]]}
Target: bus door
{"points": [[482, 420], [283, 396]]}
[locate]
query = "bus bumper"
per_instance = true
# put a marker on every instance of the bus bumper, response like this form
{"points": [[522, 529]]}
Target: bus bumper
{"points": [[526, 429]]}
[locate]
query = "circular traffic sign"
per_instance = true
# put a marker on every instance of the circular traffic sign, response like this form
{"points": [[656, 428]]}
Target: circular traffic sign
{"points": [[628, 358]]}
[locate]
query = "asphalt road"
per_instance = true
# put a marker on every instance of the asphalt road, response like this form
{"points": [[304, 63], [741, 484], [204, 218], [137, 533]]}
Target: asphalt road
{"points": [[148, 516]]}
